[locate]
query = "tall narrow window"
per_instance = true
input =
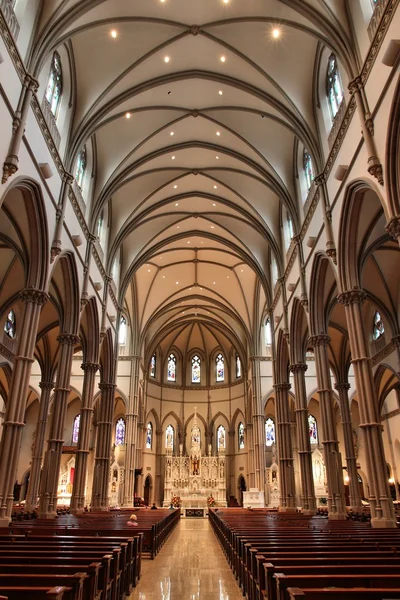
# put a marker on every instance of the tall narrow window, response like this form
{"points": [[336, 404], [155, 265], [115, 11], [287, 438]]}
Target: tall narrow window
{"points": [[120, 432], [312, 428], [54, 84], [196, 370], [10, 325], [171, 376], [268, 333], [290, 228], [169, 437], [274, 270], [122, 332], [220, 367], [269, 432], [153, 366], [75, 429], [334, 86], [241, 436], [238, 367], [308, 169], [221, 437], [149, 436], [80, 167], [379, 328], [99, 226]]}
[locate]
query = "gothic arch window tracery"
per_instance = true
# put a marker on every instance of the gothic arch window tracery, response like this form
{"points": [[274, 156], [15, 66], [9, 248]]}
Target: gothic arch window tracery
{"points": [[313, 429], [308, 169], [169, 437], [10, 328], [54, 84], [221, 438], [220, 367], [268, 333], [334, 86], [153, 366], [80, 167], [122, 332], [269, 431], [120, 428], [196, 369], [75, 429], [238, 366], [241, 436], [379, 328], [149, 436], [171, 375]]}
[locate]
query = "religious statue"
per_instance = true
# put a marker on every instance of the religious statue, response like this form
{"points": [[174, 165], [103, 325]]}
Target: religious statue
{"points": [[195, 465]]}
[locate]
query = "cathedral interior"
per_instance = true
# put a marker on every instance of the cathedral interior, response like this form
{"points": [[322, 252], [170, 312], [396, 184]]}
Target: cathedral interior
{"points": [[199, 255]]}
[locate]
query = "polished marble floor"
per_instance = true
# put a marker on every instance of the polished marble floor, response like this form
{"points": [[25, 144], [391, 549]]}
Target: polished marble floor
{"points": [[190, 566]]}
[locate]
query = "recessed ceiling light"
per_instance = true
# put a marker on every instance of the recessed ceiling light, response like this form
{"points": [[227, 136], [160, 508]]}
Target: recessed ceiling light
{"points": [[212, 226], [214, 282], [166, 59], [215, 187], [201, 289], [241, 270], [177, 282], [175, 186], [169, 93], [173, 157], [214, 204], [223, 58], [172, 133], [188, 242], [114, 33], [218, 133], [225, 1], [217, 157], [201, 242], [220, 92], [128, 115], [148, 270], [164, 1], [276, 33], [177, 226], [227, 276], [163, 276]]}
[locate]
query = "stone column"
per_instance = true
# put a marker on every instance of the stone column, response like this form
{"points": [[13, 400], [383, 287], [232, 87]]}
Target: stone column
{"points": [[159, 487], [285, 451], [15, 411], [86, 414], [258, 425], [38, 447], [328, 432], [382, 512], [351, 462], [101, 475], [52, 458], [230, 465], [131, 433], [303, 439]]}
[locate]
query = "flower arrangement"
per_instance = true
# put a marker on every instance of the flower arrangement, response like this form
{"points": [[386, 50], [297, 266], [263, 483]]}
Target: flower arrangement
{"points": [[211, 501], [176, 501]]}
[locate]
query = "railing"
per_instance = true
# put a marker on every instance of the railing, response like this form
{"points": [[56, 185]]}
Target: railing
{"points": [[79, 197], [310, 196], [376, 17], [9, 15], [51, 123], [337, 122]]}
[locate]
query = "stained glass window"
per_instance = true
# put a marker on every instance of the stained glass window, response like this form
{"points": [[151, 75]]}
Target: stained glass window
{"points": [[308, 169], [220, 367], [241, 436], [290, 227], [238, 366], [10, 325], [269, 432], [221, 437], [122, 332], [169, 437], [274, 269], [99, 226], [80, 167], [171, 368], [196, 369], [334, 86], [268, 333], [153, 366], [54, 84], [75, 429], [149, 435], [120, 432], [312, 427], [379, 328]]}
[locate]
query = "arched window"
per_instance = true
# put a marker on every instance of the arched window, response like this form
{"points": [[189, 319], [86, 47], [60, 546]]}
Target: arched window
{"points": [[153, 366], [308, 169], [220, 366], [75, 429], [221, 437], [120, 432], [334, 88], [54, 84], [274, 270], [122, 332], [241, 436], [10, 325], [171, 368], [312, 428], [379, 328], [196, 371], [149, 436], [269, 432], [290, 227], [80, 167], [268, 333], [169, 437], [99, 226], [238, 367]]}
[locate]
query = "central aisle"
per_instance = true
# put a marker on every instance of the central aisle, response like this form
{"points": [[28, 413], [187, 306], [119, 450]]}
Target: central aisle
{"points": [[190, 566]]}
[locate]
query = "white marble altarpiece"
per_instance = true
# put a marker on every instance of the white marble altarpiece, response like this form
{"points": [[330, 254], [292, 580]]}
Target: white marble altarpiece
{"points": [[195, 477]]}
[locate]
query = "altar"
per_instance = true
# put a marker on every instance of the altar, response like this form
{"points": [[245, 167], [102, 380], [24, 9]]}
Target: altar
{"points": [[195, 482]]}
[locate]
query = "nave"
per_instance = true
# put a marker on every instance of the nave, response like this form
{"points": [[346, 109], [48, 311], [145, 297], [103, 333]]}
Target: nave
{"points": [[190, 566]]}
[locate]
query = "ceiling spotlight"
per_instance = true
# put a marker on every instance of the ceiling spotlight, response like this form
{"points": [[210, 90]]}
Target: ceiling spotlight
{"points": [[214, 204], [175, 186], [218, 133], [188, 242], [213, 282], [148, 270], [226, 1], [276, 33], [169, 93], [172, 157], [215, 187], [166, 59], [223, 58], [220, 92], [172, 133], [162, 1], [212, 226], [217, 157], [113, 33], [163, 276], [177, 282], [128, 115], [177, 226]]}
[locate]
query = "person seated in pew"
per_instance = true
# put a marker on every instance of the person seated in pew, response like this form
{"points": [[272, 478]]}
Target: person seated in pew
{"points": [[154, 507], [171, 506], [132, 521]]}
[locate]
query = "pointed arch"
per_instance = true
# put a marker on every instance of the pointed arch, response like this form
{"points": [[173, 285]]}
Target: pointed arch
{"points": [[282, 359], [392, 175], [298, 333], [65, 292], [90, 331]]}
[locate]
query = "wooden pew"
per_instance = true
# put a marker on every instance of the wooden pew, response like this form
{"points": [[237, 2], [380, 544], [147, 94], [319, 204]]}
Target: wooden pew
{"points": [[34, 593]]}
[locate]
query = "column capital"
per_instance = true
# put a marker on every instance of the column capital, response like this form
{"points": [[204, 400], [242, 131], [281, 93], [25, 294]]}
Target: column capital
{"points": [[107, 386], [393, 227], [68, 339], [282, 387], [298, 368], [342, 386], [322, 339], [46, 385], [256, 358], [33, 296], [91, 367], [355, 85], [354, 296], [320, 179], [31, 83], [67, 178]]}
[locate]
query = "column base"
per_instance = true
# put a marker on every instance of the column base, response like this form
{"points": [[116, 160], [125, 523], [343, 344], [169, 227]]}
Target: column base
{"points": [[337, 516], [76, 511], [357, 508], [383, 523], [99, 509], [309, 511], [287, 509], [48, 515], [5, 522]]}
